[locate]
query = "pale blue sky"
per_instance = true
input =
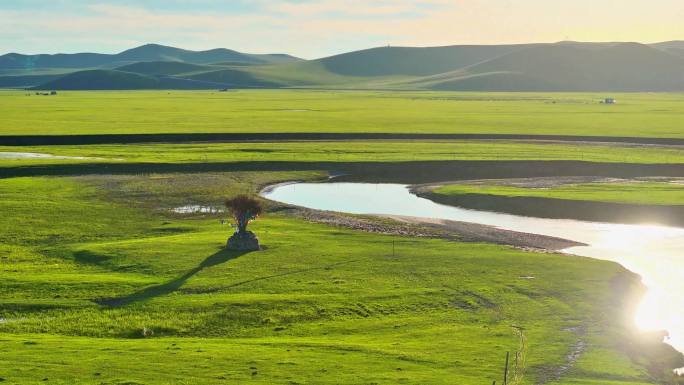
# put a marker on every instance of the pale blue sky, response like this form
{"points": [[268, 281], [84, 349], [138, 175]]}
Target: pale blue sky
{"points": [[310, 28]]}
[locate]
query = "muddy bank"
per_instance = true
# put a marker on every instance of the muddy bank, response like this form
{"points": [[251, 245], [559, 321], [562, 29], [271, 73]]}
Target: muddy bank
{"points": [[473, 232], [430, 227]]}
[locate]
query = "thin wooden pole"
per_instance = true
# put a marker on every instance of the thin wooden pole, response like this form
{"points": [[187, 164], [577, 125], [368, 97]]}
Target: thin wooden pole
{"points": [[508, 354]]}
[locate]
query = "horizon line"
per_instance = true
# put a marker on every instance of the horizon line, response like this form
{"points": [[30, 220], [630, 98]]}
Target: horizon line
{"points": [[357, 50]]}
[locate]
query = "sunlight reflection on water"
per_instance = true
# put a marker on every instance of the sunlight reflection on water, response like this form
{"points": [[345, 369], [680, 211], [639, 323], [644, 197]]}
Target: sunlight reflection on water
{"points": [[654, 252]]}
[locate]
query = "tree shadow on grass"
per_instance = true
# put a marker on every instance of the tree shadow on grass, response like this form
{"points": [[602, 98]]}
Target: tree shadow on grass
{"points": [[147, 293]]}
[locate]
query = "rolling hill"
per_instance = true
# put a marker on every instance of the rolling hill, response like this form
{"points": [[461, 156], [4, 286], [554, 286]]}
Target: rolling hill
{"points": [[121, 80], [25, 81], [675, 47], [619, 67], [569, 67], [101, 80], [236, 78], [386, 61], [78, 60], [147, 52], [156, 52], [164, 68], [563, 66]]}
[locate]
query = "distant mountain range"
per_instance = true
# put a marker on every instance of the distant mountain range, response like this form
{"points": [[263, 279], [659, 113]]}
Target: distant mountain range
{"points": [[147, 52], [564, 66]]}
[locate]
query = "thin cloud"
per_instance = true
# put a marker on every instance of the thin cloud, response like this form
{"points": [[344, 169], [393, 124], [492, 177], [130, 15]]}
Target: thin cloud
{"points": [[319, 28], [352, 8]]}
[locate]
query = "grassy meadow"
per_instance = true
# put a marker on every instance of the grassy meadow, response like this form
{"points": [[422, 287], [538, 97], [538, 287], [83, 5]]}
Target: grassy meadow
{"points": [[646, 193], [103, 284], [249, 111], [343, 151]]}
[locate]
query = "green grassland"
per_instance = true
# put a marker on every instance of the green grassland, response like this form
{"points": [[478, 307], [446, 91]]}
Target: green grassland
{"points": [[344, 151], [648, 193], [639, 115], [102, 284]]}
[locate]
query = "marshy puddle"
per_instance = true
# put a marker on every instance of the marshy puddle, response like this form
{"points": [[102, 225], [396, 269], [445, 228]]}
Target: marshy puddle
{"points": [[197, 209], [37, 155], [654, 252]]}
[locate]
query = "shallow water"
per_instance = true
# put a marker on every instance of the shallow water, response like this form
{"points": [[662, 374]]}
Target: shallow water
{"points": [[654, 252], [196, 209], [36, 155]]}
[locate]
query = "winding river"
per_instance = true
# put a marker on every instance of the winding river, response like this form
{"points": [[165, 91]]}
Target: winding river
{"points": [[654, 252]]}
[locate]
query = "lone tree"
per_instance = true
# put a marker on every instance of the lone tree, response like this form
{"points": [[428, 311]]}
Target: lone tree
{"points": [[244, 209]]}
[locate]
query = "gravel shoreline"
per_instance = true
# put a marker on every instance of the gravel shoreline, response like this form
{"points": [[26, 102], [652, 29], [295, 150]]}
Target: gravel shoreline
{"points": [[433, 228]]}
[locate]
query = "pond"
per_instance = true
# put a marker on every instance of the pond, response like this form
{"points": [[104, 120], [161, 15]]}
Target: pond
{"points": [[654, 252]]}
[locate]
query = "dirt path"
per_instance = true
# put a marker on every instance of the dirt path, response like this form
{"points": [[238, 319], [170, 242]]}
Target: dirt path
{"points": [[576, 351]]}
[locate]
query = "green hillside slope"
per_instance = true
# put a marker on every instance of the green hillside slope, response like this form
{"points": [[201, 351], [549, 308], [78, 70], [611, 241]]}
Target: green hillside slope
{"points": [[25, 80], [565, 66], [621, 67], [102, 80], [78, 60], [164, 68], [156, 52], [147, 52], [235, 78], [120, 80], [675, 47], [384, 61]]}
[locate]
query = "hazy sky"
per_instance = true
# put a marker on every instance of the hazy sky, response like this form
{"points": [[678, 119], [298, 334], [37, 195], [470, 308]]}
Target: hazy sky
{"points": [[311, 29]]}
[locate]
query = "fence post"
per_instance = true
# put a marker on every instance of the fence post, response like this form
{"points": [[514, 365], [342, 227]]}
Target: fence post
{"points": [[506, 369]]}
